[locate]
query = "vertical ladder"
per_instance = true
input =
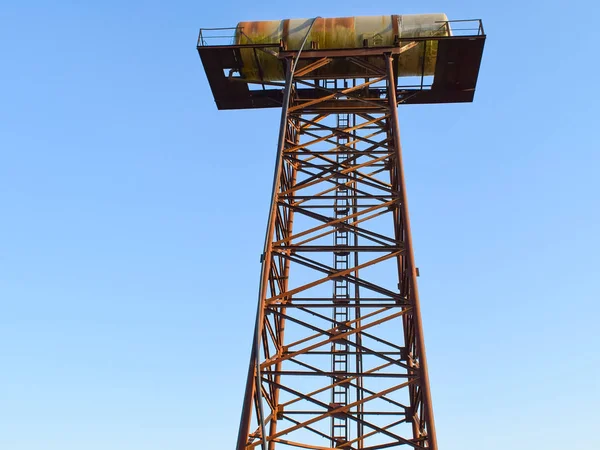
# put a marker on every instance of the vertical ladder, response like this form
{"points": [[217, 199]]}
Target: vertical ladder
{"points": [[341, 291]]}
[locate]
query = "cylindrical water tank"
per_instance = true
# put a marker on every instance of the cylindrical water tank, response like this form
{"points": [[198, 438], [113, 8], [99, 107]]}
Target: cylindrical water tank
{"points": [[341, 33]]}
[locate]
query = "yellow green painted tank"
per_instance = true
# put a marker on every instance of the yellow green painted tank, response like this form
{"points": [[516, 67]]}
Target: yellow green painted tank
{"points": [[341, 33]]}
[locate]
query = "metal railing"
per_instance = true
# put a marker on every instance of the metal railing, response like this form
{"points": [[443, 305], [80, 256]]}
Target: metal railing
{"points": [[217, 36], [448, 28], [467, 27]]}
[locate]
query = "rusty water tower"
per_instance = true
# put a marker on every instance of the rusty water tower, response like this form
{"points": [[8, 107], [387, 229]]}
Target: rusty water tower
{"points": [[338, 356]]}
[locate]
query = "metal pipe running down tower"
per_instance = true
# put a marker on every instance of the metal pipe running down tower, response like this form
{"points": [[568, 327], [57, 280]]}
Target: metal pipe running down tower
{"points": [[339, 358]]}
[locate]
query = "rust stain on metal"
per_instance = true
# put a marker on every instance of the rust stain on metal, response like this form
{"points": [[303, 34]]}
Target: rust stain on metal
{"points": [[329, 25], [395, 27], [285, 30]]}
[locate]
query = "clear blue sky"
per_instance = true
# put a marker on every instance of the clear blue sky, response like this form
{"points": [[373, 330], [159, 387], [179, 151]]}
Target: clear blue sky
{"points": [[132, 223]]}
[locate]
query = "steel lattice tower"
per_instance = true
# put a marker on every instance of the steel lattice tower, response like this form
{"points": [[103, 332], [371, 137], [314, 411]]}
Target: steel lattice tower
{"points": [[338, 358]]}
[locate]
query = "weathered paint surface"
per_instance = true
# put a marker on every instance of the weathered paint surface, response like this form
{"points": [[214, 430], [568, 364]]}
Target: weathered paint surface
{"points": [[339, 33]]}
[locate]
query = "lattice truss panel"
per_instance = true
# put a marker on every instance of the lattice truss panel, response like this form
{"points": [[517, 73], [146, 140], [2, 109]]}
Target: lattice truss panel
{"points": [[340, 362]]}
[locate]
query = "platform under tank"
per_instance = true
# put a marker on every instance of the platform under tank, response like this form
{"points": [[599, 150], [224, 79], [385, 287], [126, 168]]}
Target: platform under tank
{"points": [[343, 33]]}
